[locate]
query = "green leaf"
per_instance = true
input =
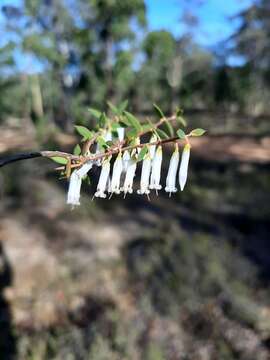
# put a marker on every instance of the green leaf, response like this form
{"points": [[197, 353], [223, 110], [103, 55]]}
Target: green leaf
{"points": [[113, 108], [169, 128], [77, 150], [179, 112], [142, 153], [162, 134], [122, 107], [102, 143], [84, 132], [94, 112], [102, 121], [133, 121], [59, 160], [197, 132], [124, 122], [181, 121], [159, 111], [146, 127], [131, 134], [181, 134]]}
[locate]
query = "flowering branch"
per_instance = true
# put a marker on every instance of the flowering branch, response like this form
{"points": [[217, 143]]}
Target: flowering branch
{"points": [[121, 135]]}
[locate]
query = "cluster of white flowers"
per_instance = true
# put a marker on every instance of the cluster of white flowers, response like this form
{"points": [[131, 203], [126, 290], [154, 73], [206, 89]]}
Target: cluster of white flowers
{"points": [[124, 170]]}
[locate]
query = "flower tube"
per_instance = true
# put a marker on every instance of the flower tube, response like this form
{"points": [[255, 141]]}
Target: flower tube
{"points": [[103, 179], [156, 170], [130, 174], [172, 172], [146, 169], [184, 166], [152, 148], [116, 175], [73, 195]]}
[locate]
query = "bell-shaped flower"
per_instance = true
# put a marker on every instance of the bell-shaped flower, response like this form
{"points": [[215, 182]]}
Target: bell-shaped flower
{"points": [[116, 175], [152, 148], [126, 159], [145, 175], [73, 195], [156, 170], [121, 133], [172, 172], [84, 169], [103, 179], [130, 174], [184, 167]]}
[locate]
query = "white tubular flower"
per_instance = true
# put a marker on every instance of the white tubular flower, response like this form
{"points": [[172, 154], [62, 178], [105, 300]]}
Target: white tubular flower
{"points": [[126, 159], [84, 169], [152, 148], [108, 136], [130, 173], [116, 175], [146, 169], [184, 167], [75, 182], [172, 172], [103, 179], [121, 133], [156, 170]]}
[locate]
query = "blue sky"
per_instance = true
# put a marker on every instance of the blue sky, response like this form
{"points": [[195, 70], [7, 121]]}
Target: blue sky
{"points": [[213, 17]]}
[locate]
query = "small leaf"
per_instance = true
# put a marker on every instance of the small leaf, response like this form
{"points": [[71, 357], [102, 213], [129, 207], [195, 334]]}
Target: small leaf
{"points": [[133, 121], [181, 134], [179, 112], [84, 132], [94, 112], [122, 107], [124, 122], [77, 150], [146, 127], [169, 128], [102, 121], [142, 153], [159, 111], [132, 134], [197, 132], [162, 134], [59, 160], [181, 121], [113, 108], [102, 143]]}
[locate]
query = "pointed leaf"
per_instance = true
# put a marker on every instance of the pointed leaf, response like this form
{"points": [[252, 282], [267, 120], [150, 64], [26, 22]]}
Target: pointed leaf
{"points": [[102, 121], [77, 150], [113, 108], [181, 121], [123, 106], [159, 111], [59, 160], [181, 134], [162, 134], [133, 121], [94, 112], [84, 132], [169, 128], [197, 132]]}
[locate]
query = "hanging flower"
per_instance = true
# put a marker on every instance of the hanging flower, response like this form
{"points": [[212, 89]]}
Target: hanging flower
{"points": [[152, 148], [121, 133], [84, 169], [103, 179], [126, 159], [130, 173], [184, 167], [116, 175], [171, 176], [75, 182], [156, 170], [146, 169]]}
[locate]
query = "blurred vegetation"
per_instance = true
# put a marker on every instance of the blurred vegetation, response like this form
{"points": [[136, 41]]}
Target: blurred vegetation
{"points": [[181, 278], [60, 56]]}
